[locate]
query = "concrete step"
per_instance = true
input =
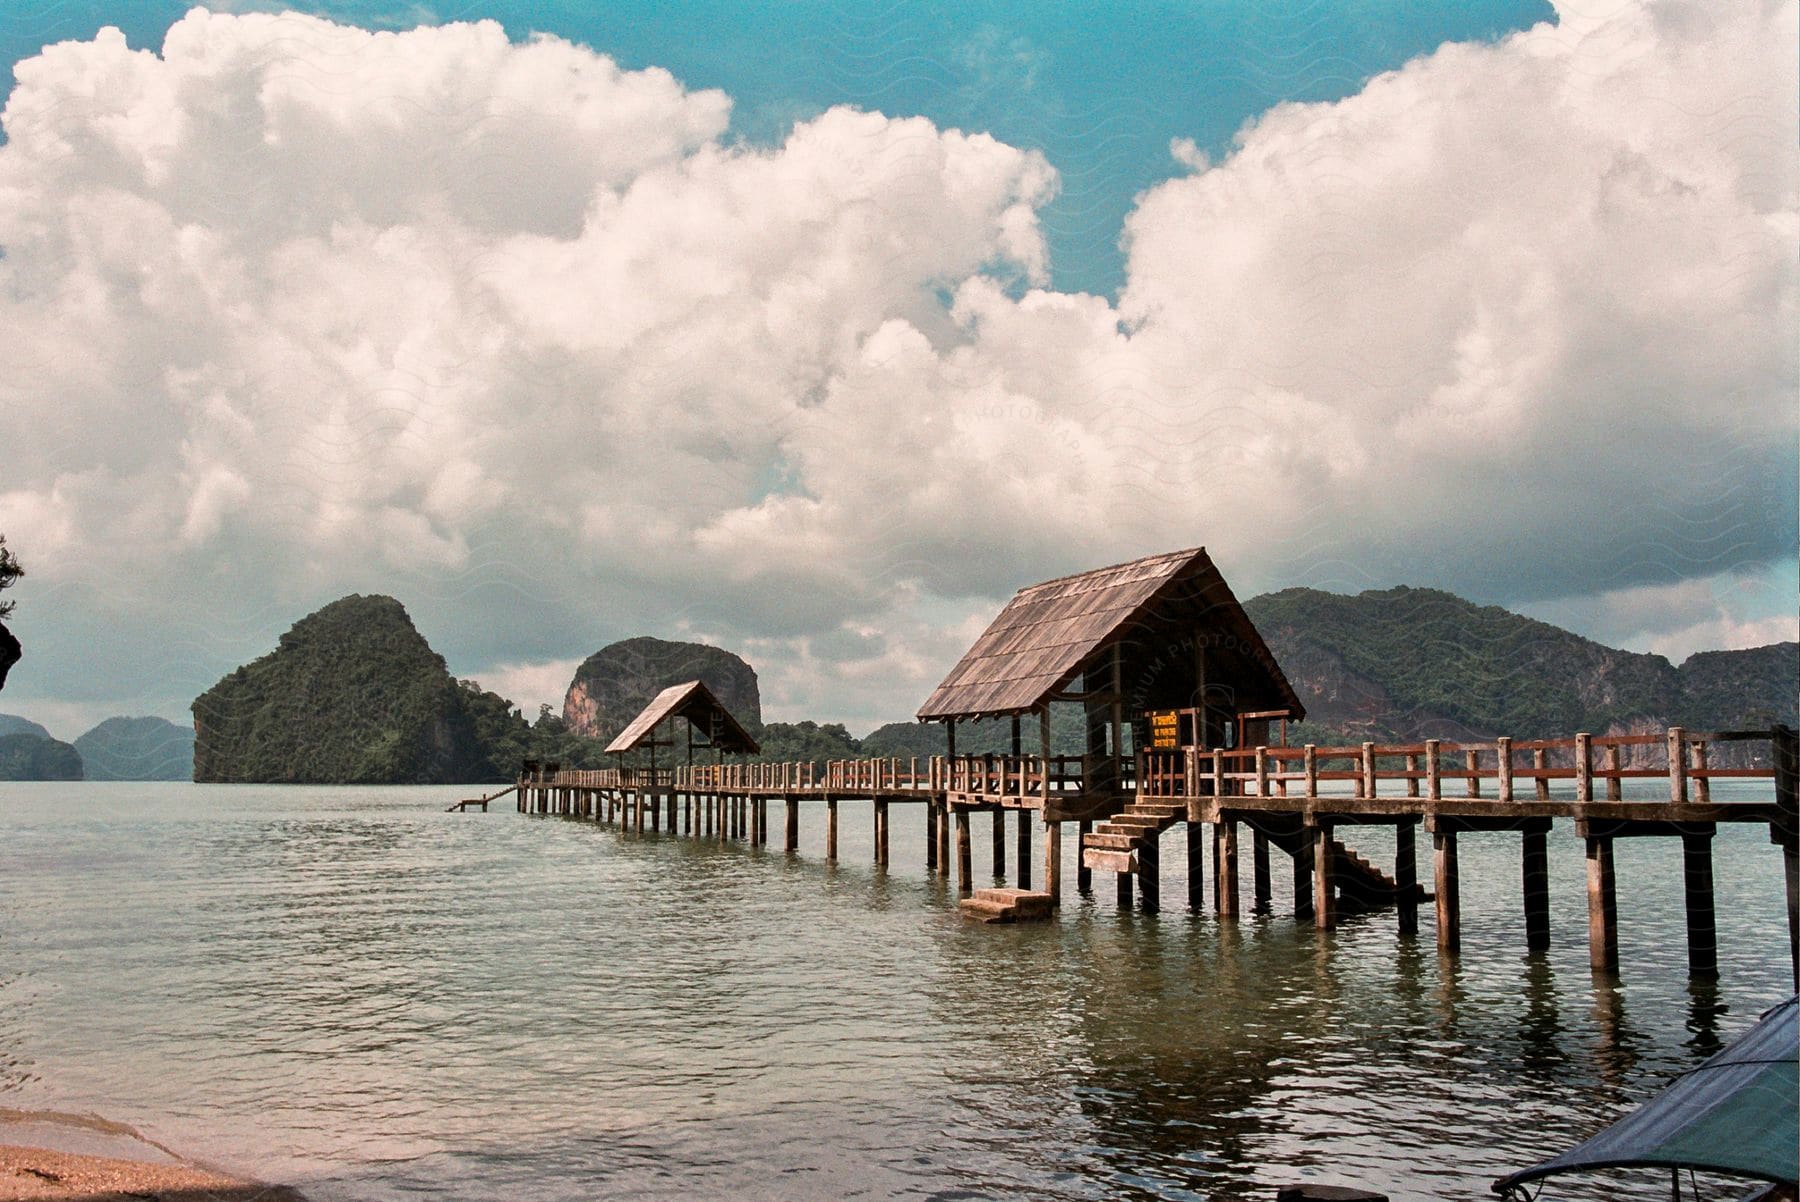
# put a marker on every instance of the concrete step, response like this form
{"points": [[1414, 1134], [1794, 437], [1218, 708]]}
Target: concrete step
{"points": [[1161, 809], [1111, 840], [983, 910], [1145, 821], [1007, 905], [1109, 861]]}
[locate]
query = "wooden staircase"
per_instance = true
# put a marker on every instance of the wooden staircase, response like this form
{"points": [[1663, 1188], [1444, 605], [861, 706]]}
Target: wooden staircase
{"points": [[1007, 905], [1113, 844]]}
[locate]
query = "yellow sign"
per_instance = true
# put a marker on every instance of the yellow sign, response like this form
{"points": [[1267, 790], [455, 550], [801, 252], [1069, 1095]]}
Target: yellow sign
{"points": [[1165, 730]]}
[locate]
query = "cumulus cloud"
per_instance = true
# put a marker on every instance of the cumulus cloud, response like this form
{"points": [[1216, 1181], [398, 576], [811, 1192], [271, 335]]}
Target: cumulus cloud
{"points": [[294, 308]]}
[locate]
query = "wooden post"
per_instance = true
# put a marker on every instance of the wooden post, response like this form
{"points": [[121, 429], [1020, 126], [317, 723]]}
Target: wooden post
{"points": [[1603, 906], [1228, 869], [1584, 772], [1024, 848], [1784, 748], [1303, 870], [1503, 768], [1677, 767], [1366, 786], [1149, 876], [1472, 761], [1412, 782], [1324, 903], [1536, 857], [1697, 768], [1052, 860], [881, 834], [1406, 878], [1434, 771], [1449, 901], [1615, 788], [1311, 762], [964, 885], [1122, 890], [931, 821], [1196, 866], [1259, 871], [1697, 876], [999, 841], [793, 823], [1540, 760], [831, 829]]}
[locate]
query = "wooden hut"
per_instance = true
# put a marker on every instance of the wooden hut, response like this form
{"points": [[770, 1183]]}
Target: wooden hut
{"points": [[1156, 652], [706, 716]]}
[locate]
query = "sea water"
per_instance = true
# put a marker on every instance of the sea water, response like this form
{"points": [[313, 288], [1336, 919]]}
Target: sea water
{"points": [[352, 991]]}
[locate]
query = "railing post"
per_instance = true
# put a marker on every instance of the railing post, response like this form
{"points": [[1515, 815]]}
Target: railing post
{"points": [[1503, 767], [1677, 766], [1368, 770], [1434, 775], [1218, 771], [1312, 770], [1584, 767], [1262, 771], [1540, 760], [1702, 783]]}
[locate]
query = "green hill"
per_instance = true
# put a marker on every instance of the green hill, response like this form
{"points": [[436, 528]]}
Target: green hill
{"points": [[138, 749], [25, 756], [353, 694], [12, 724], [1404, 663], [615, 683]]}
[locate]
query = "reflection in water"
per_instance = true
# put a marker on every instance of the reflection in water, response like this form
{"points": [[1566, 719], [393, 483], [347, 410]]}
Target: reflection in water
{"points": [[351, 989]]}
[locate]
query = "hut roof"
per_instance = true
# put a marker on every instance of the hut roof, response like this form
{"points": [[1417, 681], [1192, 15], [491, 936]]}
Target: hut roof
{"points": [[695, 702], [1048, 633]]}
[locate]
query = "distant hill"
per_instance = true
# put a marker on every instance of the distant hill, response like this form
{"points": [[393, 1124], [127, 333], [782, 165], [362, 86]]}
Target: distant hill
{"points": [[614, 684], [138, 749], [25, 756], [353, 694], [1405, 663], [12, 724]]}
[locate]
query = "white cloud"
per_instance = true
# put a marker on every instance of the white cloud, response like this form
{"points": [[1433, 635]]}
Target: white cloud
{"points": [[294, 309]]}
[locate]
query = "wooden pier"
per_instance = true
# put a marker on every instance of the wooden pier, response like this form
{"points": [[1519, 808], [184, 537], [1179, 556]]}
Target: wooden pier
{"points": [[1181, 705], [1302, 801]]}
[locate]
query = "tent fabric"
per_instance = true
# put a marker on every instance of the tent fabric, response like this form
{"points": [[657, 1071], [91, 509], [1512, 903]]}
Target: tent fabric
{"points": [[1735, 1114]]}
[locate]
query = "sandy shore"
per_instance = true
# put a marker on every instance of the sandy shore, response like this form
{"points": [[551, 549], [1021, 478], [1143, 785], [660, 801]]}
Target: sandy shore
{"points": [[39, 1173], [50, 1155]]}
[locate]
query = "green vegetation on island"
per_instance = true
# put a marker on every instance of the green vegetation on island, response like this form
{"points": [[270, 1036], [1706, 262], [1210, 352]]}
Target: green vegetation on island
{"points": [[138, 749], [31, 757]]}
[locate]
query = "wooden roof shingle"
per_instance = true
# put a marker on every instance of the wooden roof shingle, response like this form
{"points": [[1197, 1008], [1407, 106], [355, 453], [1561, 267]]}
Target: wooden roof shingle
{"points": [[695, 702], [1049, 631]]}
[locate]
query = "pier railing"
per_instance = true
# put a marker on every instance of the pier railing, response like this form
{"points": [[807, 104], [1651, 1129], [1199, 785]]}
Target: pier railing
{"points": [[1594, 767]]}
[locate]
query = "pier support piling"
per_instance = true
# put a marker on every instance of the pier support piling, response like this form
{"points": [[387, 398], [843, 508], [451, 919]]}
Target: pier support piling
{"points": [[1052, 861], [793, 823], [1603, 905], [831, 830], [1445, 882], [1303, 871], [1406, 878], [931, 821], [1023, 850], [999, 845], [1084, 876], [1196, 866], [1324, 880], [881, 833], [1260, 890], [1536, 872], [1697, 877], [1227, 874], [1122, 890], [964, 883], [1149, 874]]}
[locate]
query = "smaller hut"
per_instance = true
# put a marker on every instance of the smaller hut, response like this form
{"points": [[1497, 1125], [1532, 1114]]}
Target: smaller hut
{"points": [[706, 717]]}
